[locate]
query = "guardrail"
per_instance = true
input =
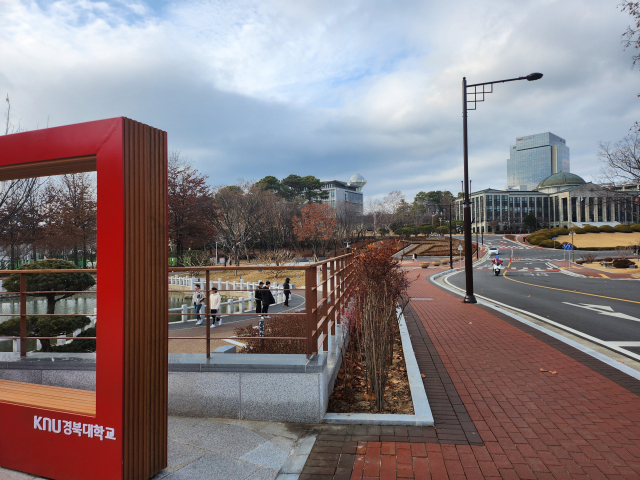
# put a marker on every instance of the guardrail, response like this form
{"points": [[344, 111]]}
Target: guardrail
{"points": [[327, 284], [326, 289]]}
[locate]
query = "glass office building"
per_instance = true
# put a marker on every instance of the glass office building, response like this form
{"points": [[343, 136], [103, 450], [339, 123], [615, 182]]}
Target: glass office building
{"points": [[534, 157]]}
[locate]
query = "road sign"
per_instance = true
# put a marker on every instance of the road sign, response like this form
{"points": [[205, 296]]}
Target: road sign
{"points": [[460, 247], [554, 239]]}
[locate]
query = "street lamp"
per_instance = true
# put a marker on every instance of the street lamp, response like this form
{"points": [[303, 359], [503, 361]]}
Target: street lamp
{"points": [[476, 96]]}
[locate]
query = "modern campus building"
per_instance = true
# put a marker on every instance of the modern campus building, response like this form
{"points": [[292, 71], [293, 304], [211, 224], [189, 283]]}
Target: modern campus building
{"points": [[350, 192], [560, 200], [533, 158], [539, 183]]}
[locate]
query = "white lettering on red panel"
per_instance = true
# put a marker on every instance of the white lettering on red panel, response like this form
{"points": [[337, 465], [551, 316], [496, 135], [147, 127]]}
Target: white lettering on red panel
{"points": [[73, 428]]}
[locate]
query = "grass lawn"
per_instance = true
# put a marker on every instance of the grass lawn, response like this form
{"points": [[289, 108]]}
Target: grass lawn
{"points": [[602, 239]]}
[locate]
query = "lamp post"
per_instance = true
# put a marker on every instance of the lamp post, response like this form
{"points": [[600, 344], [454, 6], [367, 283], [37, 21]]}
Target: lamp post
{"points": [[450, 238], [477, 96]]}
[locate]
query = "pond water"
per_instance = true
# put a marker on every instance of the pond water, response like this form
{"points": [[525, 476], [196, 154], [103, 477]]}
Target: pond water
{"points": [[79, 303]]}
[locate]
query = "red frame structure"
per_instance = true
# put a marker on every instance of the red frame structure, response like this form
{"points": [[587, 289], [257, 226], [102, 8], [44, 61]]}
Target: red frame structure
{"points": [[131, 369]]}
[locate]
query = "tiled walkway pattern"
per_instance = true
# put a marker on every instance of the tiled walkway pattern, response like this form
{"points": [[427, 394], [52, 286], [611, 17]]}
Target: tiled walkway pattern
{"points": [[575, 424]]}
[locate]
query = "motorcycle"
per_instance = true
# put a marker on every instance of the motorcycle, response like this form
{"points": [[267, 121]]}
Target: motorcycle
{"points": [[496, 269]]}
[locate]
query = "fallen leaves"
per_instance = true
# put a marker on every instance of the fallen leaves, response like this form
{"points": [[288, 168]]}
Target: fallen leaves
{"points": [[550, 371]]}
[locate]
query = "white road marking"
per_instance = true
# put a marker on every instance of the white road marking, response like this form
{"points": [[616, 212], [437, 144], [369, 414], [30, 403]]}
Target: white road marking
{"points": [[604, 310]]}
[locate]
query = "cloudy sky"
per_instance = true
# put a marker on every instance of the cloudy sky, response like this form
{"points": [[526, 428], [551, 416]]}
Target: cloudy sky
{"points": [[328, 88]]}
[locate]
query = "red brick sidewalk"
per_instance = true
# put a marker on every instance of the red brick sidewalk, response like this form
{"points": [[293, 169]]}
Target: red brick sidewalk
{"points": [[534, 424]]}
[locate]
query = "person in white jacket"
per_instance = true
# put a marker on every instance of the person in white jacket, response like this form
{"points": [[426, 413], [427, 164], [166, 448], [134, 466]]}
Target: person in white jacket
{"points": [[214, 304]]}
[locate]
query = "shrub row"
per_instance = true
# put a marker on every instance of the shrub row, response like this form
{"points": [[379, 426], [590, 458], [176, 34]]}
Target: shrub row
{"points": [[547, 234], [606, 229]]}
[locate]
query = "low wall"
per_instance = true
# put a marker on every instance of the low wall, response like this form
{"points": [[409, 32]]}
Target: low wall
{"points": [[288, 388]]}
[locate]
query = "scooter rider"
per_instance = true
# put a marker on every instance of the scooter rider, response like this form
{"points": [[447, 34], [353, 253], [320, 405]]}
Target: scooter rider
{"points": [[496, 261]]}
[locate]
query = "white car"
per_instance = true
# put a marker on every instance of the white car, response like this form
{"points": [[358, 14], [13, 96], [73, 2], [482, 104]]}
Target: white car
{"points": [[493, 250]]}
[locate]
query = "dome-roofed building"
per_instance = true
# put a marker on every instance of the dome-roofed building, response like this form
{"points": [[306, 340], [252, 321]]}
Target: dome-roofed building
{"points": [[559, 181], [348, 192]]}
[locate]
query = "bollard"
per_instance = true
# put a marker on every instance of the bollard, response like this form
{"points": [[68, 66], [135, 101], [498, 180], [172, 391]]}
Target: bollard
{"points": [[184, 312], [16, 345]]}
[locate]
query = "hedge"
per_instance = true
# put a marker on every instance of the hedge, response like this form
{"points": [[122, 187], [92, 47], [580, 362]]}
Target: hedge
{"points": [[623, 228], [606, 229], [591, 229], [635, 227], [622, 263]]}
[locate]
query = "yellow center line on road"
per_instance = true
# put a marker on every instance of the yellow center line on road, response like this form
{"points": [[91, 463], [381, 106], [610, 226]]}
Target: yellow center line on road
{"points": [[570, 291]]}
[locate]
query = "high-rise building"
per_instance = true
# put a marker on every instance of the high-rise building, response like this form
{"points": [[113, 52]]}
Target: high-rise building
{"points": [[533, 158], [349, 192]]}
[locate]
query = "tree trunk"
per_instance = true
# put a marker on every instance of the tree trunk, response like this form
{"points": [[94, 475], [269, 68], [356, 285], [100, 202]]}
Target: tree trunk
{"points": [[75, 254], [51, 309], [179, 253]]}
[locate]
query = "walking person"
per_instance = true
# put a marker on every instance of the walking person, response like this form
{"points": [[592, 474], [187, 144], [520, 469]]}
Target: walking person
{"points": [[286, 287], [214, 304], [415, 257], [257, 295], [267, 298], [198, 297]]}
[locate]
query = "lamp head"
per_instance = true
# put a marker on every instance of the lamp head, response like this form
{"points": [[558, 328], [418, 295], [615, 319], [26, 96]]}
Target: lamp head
{"points": [[533, 76]]}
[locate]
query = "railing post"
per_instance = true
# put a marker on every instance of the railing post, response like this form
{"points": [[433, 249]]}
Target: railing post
{"points": [[325, 308], [23, 314], [208, 314], [184, 312], [333, 297], [311, 303], [341, 263]]}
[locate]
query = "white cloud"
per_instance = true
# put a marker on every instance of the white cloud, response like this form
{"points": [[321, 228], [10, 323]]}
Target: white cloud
{"points": [[255, 87]]}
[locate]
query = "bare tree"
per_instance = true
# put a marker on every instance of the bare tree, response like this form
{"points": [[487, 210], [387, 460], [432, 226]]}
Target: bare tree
{"points": [[238, 214], [189, 201], [75, 214], [621, 166]]}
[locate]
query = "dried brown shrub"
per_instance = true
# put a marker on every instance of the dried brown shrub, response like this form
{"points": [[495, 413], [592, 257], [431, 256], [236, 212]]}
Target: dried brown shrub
{"points": [[276, 326]]}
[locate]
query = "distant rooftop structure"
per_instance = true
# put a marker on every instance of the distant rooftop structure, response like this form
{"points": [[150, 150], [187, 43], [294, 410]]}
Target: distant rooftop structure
{"points": [[557, 181], [533, 158], [357, 181], [350, 192]]}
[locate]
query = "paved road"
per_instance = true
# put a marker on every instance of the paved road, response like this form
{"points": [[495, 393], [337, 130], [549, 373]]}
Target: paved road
{"points": [[605, 309]]}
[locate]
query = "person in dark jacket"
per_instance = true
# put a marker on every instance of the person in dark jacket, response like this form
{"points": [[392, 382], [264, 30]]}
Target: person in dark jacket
{"points": [[258, 298], [286, 288], [267, 298]]}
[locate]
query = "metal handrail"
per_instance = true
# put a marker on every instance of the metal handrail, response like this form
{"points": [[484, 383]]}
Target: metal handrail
{"points": [[322, 314]]}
